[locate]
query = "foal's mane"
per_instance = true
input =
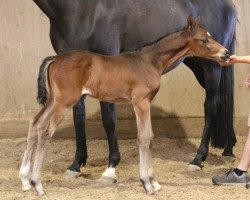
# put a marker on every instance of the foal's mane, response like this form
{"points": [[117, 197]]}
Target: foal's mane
{"points": [[154, 43]]}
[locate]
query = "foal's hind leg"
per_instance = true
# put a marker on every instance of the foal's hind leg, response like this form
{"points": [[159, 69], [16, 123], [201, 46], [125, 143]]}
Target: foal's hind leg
{"points": [[46, 129], [31, 141], [26, 163]]}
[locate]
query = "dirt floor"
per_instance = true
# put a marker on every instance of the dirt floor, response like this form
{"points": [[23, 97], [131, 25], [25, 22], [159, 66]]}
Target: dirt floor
{"points": [[171, 158]]}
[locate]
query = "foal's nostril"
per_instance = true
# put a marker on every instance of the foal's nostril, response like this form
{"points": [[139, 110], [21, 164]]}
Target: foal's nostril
{"points": [[227, 52], [225, 56]]}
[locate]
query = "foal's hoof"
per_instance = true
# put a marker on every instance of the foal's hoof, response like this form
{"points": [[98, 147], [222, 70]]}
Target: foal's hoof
{"points": [[26, 188], [151, 192], [156, 185], [149, 189], [105, 180], [41, 194], [71, 174], [193, 168], [228, 159]]}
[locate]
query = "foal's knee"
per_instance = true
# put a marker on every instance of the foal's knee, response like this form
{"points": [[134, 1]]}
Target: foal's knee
{"points": [[145, 142]]}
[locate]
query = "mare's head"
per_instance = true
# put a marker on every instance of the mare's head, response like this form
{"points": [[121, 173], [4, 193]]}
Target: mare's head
{"points": [[201, 43]]}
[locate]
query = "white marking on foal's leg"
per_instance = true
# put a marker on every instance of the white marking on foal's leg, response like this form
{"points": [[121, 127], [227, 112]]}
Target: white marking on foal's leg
{"points": [[24, 175], [110, 172], [26, 162]]}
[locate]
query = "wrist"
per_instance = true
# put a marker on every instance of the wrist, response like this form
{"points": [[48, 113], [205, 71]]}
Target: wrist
{"points": [[245, 59]]}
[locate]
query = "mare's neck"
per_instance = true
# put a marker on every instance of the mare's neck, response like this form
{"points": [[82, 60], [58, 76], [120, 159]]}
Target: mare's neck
{"points": [[167, 51]]}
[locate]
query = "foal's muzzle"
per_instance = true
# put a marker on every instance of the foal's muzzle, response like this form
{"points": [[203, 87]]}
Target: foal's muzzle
{"points": [[225, 55]]}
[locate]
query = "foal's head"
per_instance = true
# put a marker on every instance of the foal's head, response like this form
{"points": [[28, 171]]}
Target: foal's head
{"points": [[201, 44]]}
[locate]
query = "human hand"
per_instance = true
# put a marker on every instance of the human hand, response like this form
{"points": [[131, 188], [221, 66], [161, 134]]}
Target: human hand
{"points": [[247, 82], [232, 60]]}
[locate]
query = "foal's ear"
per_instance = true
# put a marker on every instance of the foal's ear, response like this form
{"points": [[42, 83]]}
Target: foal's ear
{"points": [[193, 24]]}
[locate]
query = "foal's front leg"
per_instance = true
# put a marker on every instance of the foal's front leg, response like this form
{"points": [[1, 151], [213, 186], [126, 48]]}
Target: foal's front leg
{"points": [[145, 136]]}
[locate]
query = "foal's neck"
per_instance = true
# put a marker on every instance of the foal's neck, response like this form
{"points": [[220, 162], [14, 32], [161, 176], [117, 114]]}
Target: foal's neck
{"points": [[166, 51]]}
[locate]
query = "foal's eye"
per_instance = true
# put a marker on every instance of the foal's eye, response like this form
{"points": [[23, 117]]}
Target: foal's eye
{"points": [[205, 41]]}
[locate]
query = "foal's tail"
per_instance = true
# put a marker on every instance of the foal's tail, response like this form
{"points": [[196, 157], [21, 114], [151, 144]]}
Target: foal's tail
{"points": [[42, 93]]}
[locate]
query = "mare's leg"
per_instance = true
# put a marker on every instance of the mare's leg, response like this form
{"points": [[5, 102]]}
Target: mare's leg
{"points": [[108, 117], [108, 112], [45, 128], [145, 136], [81, 147], [227, 84], [109, 120], [31, 141], [209, 77]]}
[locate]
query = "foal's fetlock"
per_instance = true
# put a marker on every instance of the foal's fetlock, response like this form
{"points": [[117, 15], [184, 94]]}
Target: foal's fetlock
{"points": [[148, 187], [38, 187], [25, 182], [26, 185]]}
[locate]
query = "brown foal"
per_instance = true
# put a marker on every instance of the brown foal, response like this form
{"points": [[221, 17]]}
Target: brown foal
{"points": [[128, 77]]}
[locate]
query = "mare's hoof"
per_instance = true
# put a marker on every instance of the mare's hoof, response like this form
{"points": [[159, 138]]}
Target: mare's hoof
{"points": [[193, 168], [228, 159], [71, 174], [105, 180]]}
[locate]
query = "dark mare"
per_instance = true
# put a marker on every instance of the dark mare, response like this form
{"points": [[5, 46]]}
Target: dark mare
{"points": [[112, 26], [131, 77]]}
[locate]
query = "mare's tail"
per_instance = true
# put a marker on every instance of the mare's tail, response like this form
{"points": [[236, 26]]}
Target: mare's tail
{"points": [[42, 93], [224, 135]]}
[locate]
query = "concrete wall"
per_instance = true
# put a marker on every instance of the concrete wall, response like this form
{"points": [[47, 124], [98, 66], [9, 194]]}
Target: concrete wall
{"points": [[24, 42]]}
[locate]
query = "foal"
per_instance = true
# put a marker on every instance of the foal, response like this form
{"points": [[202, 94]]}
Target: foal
{"points": [[128, 77]]}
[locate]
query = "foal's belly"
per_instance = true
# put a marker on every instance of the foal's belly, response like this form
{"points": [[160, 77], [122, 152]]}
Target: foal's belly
{"points": [[109, 95]]}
